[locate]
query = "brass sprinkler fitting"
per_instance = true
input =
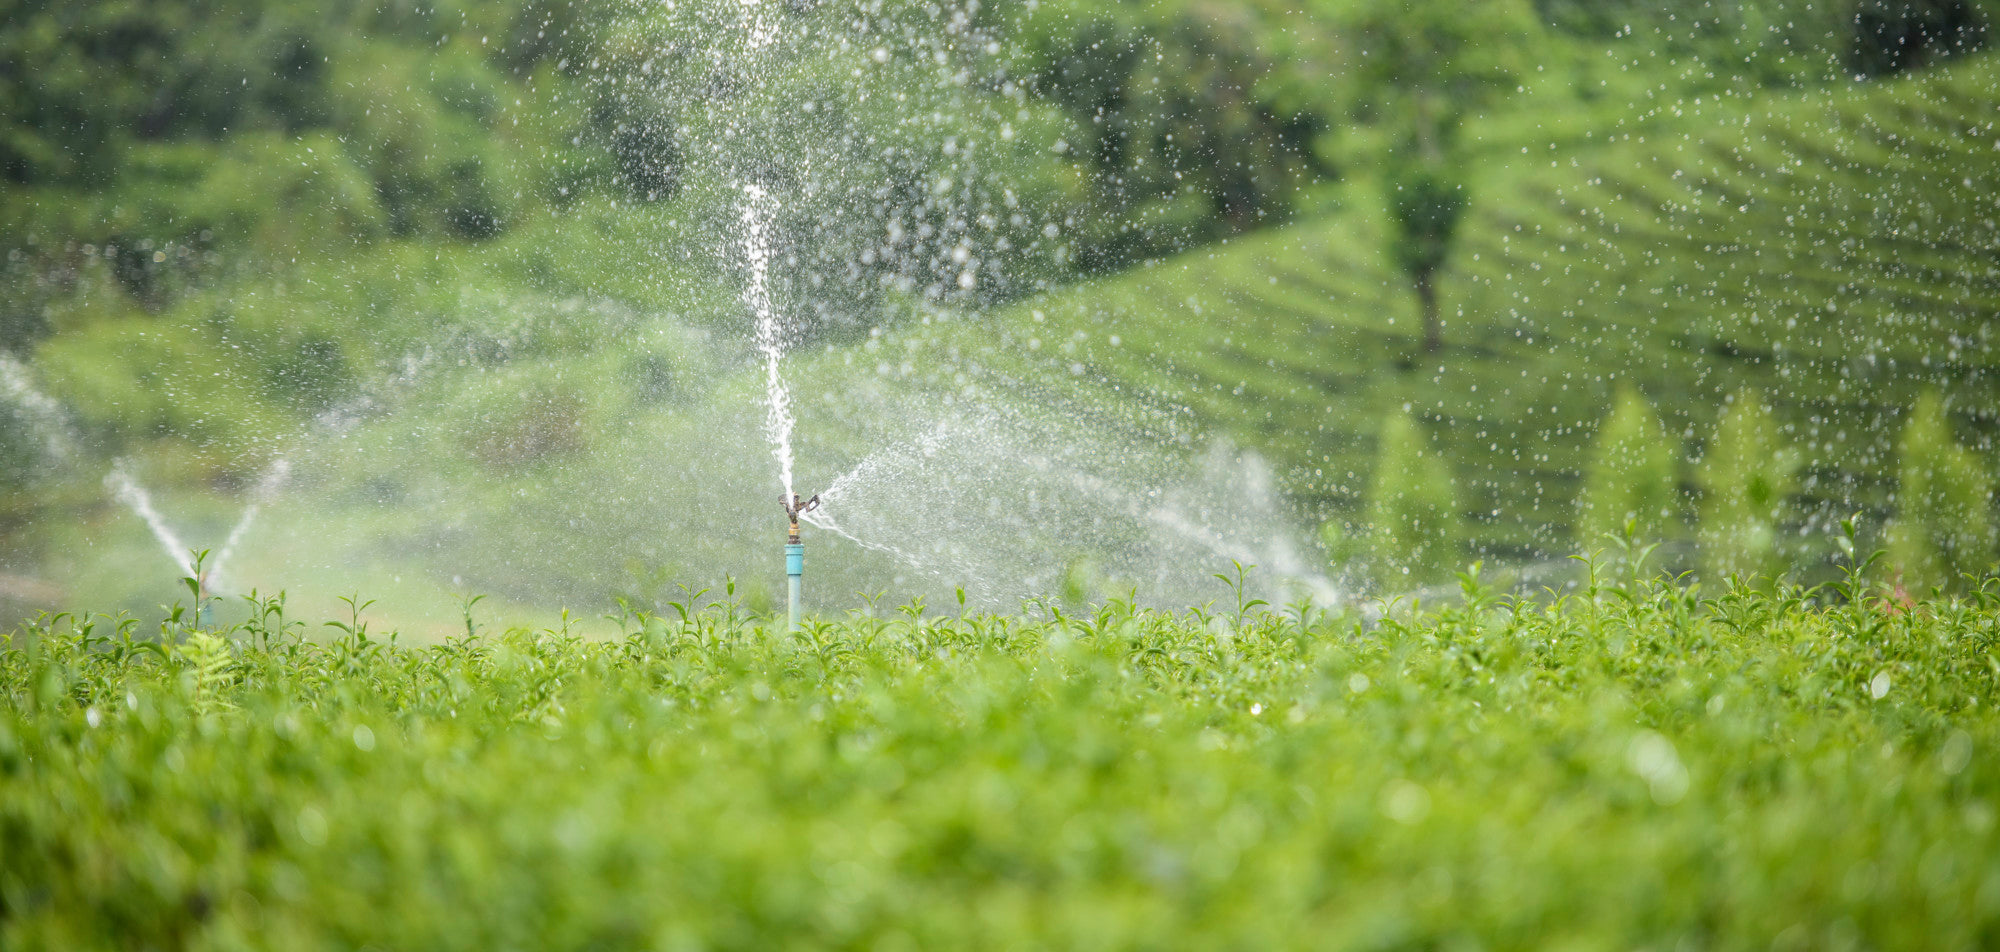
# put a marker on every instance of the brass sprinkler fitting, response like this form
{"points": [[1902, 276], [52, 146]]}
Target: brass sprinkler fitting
{"points": [[793, 509]]}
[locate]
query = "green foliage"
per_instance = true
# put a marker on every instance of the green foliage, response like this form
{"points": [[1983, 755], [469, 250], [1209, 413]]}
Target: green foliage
{"points": [[1943, 530], [1515, 775], [1193, 124], [125, 382], [1425, 206], [517, 422], [1413, 511], [1632, 475], [1747, 478], [1764, 43], [82, 80], [432, 135], [319, 223], [1422, 66], [1891, 36], [20, 450], [86, 80], [1711, 232], [178, 137]]}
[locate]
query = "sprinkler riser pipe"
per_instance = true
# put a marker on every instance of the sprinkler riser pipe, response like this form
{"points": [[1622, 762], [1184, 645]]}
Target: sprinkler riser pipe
{"points": [[795, 570]]}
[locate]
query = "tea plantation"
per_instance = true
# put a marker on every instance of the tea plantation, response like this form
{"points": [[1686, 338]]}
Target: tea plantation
{"points": [[1832, 249], [1639, 765]]}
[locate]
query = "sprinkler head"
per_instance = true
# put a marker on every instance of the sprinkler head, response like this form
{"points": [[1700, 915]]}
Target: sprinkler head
{"points": [[795, 508]]}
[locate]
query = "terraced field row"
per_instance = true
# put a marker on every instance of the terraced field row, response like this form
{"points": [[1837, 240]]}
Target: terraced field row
{"points": [[1835, 250]]}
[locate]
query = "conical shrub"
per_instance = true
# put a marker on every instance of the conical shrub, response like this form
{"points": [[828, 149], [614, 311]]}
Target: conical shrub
{"points": [[1747, 479], [1633, 474], [1413, 518], [1943, 529]]}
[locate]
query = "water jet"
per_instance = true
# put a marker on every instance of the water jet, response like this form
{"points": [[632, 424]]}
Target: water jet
{"points": [[37, 410], [207, 573]]}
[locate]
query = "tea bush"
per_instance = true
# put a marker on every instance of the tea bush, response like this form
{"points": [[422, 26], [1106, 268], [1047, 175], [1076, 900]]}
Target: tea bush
{"points": [[1633, 766]]}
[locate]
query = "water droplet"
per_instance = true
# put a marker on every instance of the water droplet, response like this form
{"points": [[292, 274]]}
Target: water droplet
{"points": [[1878, 686]]}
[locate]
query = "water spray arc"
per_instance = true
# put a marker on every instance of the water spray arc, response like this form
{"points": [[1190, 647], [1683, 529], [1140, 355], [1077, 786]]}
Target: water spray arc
{"points": [[136, 498], [758, 208], [209, 575], [41, 413], [266, 489]]}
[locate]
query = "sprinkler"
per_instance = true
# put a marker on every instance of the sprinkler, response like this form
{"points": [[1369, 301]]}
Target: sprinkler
{"points": [[204, 615], [795, 551]]}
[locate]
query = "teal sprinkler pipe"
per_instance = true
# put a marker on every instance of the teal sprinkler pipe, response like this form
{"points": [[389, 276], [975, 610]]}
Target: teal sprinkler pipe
{"points": [[795, 554]]}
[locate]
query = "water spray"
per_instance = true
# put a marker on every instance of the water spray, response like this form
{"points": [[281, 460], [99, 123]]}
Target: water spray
{"points": [[795, 553], [38, 411], [267, 487], [136, 498]]}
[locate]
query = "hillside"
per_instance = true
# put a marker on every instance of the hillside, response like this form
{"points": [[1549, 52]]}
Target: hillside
{"points": [[1834, 250], [579, 384]]}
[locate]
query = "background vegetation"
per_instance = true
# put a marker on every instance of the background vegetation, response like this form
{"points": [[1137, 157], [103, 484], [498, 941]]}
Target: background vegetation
{"points": [[1687, 282], [230, 223]]}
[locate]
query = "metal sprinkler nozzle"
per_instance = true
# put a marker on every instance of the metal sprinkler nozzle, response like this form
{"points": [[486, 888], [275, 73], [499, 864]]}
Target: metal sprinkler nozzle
{"points": [[794, 508]]}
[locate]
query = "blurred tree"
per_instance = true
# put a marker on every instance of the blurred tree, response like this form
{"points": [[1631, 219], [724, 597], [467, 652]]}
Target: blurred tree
{"points": [[1416, 70], [649, 160], [520, 425], [1198, 120], [1425, 207], [1413, 516], [81, 80], [1763, 43], [1747, 478], [20, 449], [157, 128], [309, 371], [1891, 36], [1342, 546], [1943, 530], [1632, 474], [908, 162]]}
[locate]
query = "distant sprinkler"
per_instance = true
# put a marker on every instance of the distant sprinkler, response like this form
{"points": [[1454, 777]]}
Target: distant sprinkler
{"points": [[795, 551], [204, 613]]}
